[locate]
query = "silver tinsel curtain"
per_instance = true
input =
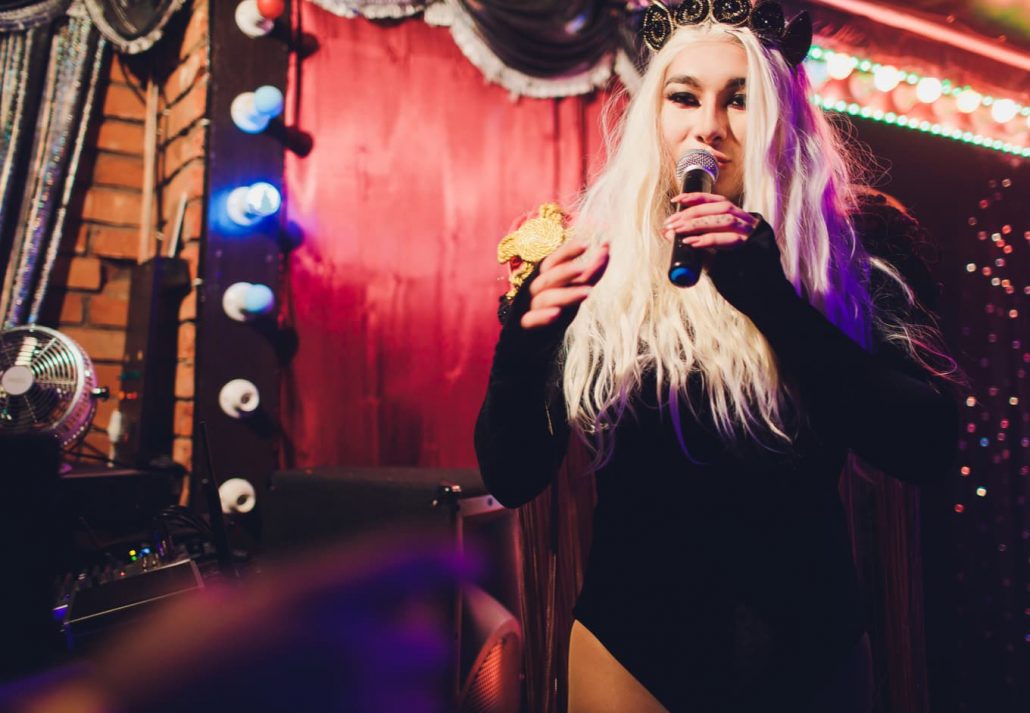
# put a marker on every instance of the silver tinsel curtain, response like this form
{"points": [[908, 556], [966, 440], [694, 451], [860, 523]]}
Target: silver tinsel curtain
{"points": [[51, 56], [50, 76]]}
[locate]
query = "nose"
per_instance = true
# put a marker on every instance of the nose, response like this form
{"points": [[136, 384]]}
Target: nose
{"points": [[711, 124]]}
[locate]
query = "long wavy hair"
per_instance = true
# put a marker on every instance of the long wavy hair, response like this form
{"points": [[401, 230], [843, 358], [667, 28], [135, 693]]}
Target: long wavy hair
{"points": [[797, 176]]}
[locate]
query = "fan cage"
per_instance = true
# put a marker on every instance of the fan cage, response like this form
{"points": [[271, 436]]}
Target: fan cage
{"points": [[61, 400]]}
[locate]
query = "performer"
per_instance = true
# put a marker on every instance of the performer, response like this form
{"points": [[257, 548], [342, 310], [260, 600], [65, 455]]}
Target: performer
{"points": [[720, 576]]}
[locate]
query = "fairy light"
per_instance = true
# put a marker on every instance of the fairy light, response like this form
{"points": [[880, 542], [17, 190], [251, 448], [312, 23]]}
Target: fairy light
{"points": [[929, 90], [840, 65], [1004, 110], [886, 77], [822, 62], [968, 101]]}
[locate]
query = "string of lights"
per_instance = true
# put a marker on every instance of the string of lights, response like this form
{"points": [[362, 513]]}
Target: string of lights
{"points": [[879, 92]]}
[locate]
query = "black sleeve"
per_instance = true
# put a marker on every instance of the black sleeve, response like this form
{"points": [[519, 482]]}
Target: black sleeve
{"points": [[522, 433], [882, 404]]}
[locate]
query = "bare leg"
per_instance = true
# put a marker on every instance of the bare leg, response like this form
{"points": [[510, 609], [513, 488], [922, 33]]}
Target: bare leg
{"points": [[598, 683]]}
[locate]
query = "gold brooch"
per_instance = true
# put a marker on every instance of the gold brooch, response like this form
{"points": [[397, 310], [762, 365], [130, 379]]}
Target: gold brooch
{"points": [[534, 240]]}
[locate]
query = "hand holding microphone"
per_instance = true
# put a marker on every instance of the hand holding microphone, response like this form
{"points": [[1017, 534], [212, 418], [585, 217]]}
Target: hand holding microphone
{"points": [[704, 220]]}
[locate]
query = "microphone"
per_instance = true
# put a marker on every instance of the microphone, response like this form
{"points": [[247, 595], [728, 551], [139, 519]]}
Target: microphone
{"points": [[696, 171]]}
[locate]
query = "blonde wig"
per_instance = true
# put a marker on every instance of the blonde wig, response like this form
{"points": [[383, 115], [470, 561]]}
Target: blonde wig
{"points": [[796, 176]]}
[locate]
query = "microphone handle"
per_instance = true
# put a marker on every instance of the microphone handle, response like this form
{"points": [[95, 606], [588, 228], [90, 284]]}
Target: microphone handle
{"points": [[685, 266]]}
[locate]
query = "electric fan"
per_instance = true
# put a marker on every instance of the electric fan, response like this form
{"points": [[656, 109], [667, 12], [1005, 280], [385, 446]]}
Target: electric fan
{"points": [[47, 384]]}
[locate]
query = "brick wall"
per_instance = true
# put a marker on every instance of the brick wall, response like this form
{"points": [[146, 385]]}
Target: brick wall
{"points": [[91, 291]]}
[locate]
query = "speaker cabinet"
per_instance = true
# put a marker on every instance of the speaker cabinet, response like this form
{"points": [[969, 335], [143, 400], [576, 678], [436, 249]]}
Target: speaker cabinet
{"points": [[315, 507]]}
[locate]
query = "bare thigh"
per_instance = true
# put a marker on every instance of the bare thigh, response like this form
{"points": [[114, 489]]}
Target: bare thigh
{"points": [[598, 683]]}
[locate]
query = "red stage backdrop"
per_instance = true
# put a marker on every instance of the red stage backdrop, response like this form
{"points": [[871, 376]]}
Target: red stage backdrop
{"points": [[418, 170]]}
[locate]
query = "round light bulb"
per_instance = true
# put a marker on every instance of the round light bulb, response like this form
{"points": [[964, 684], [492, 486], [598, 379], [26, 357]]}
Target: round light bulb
{"points": [[245, 114], [839, 65], [886, 77], [263, 199], [246, 205], [929, 90], [268, 101], [259, 300], [271, 9], [1004, 110], [968, 101], [817, 73]]}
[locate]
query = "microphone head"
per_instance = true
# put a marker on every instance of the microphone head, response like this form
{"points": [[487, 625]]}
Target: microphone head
{"points": [[697, 159]]}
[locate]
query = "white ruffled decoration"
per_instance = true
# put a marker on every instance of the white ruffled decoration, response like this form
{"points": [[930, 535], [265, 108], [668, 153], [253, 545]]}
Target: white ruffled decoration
{"points": [[449, 14], [372, 9], [627, 72]]}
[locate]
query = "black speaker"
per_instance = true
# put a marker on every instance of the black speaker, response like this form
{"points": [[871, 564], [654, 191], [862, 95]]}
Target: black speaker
{"points": [[33, 540], [318, 506], [147, 390]]}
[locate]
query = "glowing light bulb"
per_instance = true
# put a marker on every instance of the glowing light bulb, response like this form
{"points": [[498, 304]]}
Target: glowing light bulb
{"points": [[968, 101], [1004, 110], [244, 301], [268, 100], [929, 90], [886, 77], [839, 66], [251, 111], [250, 20], [249, 204], [817, 73]]}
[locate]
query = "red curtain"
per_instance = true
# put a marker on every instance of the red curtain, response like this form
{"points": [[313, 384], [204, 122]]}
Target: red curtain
{"points": [[418, 169]]}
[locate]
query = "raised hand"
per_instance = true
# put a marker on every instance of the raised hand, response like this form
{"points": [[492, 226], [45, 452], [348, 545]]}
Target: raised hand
{"points": [[566, 278]]}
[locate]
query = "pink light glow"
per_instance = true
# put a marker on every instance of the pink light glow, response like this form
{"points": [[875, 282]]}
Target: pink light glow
{"points": [[934, 31]]}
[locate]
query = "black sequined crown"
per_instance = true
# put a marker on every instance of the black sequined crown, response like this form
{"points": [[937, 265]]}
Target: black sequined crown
{"points": [[766, 20]]}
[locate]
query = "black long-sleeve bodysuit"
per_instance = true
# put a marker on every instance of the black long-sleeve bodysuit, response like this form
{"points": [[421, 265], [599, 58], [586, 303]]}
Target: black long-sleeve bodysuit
{"points": [[725, 582]]}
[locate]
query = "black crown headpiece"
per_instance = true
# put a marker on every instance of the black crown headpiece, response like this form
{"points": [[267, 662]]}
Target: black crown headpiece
{"points": [[766, 20]]}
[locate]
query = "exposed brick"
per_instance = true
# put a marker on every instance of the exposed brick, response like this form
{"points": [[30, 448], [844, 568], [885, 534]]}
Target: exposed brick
{"points": [[108, 311], [121, 243], [100, 344], [107, 375], [119, 282], [72, 311], [117, 73], [189, 182], [183, 417], [196, 35], [121, 136], [193, 220], [111, 169], [181, 149], [188, 73], [184, 378], [122, 74], [188, 308], [187, 340], [186, 110], [80, 246], [122, 101], [182, 452], [191, 254], [111, 206], [84, 273]]}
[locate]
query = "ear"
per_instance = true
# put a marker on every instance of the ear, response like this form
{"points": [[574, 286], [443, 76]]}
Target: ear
{"points": [[797, 39]]}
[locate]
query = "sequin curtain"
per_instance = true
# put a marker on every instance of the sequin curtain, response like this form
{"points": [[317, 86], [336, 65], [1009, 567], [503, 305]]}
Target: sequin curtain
{"points": [[35, 216]]}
